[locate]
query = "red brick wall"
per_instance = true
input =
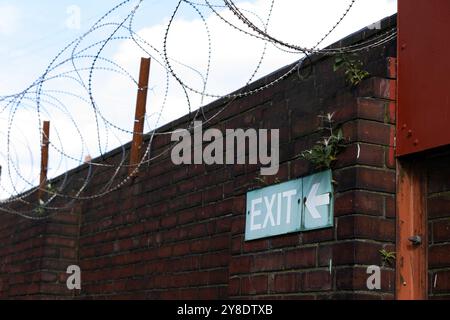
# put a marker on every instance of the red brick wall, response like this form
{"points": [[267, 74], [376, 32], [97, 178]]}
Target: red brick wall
{"points": [[178, 231], [439, 225], [34, 255]]}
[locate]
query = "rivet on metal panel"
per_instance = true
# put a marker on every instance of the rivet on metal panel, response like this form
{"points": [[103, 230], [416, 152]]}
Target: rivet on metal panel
{"points": [[404, 126], [409, 133], [416, 142], [403, 47]]}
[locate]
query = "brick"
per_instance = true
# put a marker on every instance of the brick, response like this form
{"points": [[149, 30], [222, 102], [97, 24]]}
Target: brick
{"points": [[213, 210], [65, 253], [438, 175], [390, 207], [168, 221], [217, 276], [355, 278], [367, 253], [392, 113], [209, 293], [62, 230], [319, 280], [368, 132], [254, 285], [55, 264], [346, 179], [181, 249], [303, 124], [234, 287], [365, 178], [438, 256], [439, 206], [360, 108], [60, 289], [287, 283], [374, 132], [199, 246], [164, 252], [316, 236], [186, 217], [359, 202], [59, 241], [285, 241], [213, 194], [392, 67], [300, 258], [365, 227], [69, 218], [300, 167], [355, 296], [220, 242], [340, 253], [238, 225], [372, 109], [255, 245], [378, 88], [440, 282], [236, 244], [390, 152], [194, 231], [441, 231], [267, 262], [240, 264], [361, 153], [223, 225], [228, 189]]}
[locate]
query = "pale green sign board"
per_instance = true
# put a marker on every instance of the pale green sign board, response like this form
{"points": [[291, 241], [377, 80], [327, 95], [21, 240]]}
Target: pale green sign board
{"points": [[297, 205]]}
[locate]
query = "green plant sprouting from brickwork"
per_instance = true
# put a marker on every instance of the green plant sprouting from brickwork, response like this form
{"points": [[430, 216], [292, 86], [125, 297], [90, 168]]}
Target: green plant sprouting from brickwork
{"points": [[387, 257], [325, 152], [51, 189], [40, 209], [352, 66]]}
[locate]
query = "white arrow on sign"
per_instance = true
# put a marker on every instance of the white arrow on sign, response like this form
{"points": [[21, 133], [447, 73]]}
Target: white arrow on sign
{"points": [[313, 201]]}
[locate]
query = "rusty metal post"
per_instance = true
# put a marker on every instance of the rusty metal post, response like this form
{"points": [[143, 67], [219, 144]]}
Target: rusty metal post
{"points": [[141, 103], [44, 157], [412, 232]]}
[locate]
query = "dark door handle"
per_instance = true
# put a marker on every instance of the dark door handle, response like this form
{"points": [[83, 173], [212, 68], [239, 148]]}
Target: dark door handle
{"points": [[415, 240]]}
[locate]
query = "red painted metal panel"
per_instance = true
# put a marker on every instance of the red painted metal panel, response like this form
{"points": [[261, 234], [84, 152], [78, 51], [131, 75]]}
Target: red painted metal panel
{"points": [[423, 121]]}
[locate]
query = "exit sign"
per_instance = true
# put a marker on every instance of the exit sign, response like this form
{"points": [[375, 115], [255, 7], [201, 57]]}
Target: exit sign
{"points": [[298, 205]]}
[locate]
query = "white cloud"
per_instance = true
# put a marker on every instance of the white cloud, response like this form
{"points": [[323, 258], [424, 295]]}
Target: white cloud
{"points": [[9, 19], [234, 55], [234, 58]]}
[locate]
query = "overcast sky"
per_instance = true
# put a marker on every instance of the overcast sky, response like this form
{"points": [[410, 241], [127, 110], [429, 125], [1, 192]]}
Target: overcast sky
{"points": [[33, 32]]}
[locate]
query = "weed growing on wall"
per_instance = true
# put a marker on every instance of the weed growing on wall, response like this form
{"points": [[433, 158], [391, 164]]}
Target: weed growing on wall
{"points": [[387, 257], [353, 68], [325, 152]]}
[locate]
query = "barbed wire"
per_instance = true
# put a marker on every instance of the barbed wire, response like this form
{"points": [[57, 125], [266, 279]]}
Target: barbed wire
{"points": [[66, 92]]}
